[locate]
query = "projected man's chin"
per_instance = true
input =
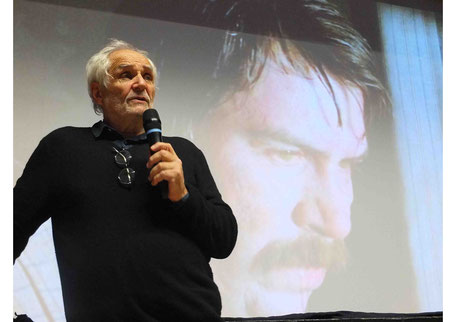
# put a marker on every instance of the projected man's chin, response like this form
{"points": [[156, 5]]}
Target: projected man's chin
{"points": [[265, 302], [283, 162], [281, 291]]}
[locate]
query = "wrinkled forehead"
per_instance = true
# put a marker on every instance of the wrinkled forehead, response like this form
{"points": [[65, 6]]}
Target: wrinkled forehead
{"points": [[126, 57]]}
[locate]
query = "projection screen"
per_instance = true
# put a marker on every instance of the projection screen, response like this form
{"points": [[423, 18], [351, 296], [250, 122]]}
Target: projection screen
{"points": [[380, 205]]}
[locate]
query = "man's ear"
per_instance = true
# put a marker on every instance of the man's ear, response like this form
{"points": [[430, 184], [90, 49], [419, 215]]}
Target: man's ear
{"points": [[95, 89]]}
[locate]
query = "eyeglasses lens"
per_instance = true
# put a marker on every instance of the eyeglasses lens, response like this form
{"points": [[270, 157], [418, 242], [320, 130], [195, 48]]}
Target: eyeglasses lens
{"points": [[127, 175]]}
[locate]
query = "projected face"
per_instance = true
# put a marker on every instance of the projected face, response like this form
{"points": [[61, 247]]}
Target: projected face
{"points": [[284, 165]]}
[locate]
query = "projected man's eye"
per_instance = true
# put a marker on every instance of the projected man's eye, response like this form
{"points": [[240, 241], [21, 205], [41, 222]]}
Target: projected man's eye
{"points": [[278, 152], [285, 155]]}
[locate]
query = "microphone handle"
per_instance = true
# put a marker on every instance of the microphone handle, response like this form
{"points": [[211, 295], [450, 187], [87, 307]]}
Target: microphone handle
{"points": [[152, 138]]}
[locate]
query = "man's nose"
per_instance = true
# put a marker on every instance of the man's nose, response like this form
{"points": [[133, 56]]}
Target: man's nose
{"points": [[139, 83], [325, 208]]}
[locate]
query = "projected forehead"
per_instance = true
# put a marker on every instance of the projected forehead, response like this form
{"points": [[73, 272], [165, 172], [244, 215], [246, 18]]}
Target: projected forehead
{"points": [[290, 57], [300, 109]]}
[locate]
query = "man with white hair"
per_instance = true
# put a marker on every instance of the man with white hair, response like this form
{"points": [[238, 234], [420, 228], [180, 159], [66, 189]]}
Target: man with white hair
{"points": [[124, 252]]}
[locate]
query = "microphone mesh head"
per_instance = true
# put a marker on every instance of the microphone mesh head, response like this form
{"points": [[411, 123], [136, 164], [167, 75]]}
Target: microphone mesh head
{"points": [[151, 119]]}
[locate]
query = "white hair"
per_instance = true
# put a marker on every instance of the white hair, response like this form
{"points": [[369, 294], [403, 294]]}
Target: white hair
{"points": [[98, 65]]}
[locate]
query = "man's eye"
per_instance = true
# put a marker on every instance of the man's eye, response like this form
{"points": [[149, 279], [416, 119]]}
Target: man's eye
{"points": [[125, 75], [148, 77]]}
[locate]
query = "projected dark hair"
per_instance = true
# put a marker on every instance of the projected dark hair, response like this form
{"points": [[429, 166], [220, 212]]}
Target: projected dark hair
{"points": [[245, 34], [310, 34]]}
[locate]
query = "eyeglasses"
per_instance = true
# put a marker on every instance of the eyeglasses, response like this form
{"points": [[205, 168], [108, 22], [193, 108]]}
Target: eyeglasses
{"points": [[126, 175]]}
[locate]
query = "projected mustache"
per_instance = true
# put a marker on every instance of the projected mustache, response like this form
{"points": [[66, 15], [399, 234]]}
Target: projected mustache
{"points": [[308, 251]]}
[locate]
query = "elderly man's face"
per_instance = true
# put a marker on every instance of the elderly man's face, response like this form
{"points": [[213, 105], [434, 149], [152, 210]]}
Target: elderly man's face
{"points": [[130, 89], [284, 165]]}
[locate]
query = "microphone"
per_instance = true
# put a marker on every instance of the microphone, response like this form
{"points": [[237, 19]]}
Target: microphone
{"points": [[152, 126]]}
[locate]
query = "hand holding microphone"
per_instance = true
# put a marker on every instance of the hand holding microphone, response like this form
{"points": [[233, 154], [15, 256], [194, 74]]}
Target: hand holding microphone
{"points": [[164, 163]]}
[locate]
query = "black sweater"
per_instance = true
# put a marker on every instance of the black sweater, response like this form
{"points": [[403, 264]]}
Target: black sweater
{"points": [[124, 254]]}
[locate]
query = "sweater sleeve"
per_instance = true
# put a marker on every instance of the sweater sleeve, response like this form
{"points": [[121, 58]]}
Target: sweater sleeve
{"points": [[207, 218], [32, 196]]}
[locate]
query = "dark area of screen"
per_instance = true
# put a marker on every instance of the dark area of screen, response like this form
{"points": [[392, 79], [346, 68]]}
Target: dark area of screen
{"points": [[179, 11]]}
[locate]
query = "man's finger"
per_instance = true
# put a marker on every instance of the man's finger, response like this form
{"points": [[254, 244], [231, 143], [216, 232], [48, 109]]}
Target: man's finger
{"points": [[160, 156], [161, 166], [165, 175], [162, 146]]}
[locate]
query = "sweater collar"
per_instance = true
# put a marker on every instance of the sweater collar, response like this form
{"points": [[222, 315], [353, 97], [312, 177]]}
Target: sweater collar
{"points": [[102, 130]]}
